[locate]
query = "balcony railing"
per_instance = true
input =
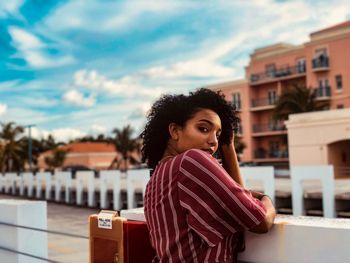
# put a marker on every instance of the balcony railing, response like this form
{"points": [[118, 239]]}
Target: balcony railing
{"points": [[278, 73], [264, 102], [322, 62], [323, 92], [268, 127], [262, 153]]}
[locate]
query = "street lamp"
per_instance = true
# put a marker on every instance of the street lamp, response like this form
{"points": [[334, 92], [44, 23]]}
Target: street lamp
{"points": [[29, 126]]}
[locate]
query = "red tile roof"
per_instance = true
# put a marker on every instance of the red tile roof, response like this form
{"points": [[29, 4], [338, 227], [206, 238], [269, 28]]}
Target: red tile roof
{"points": [[89, 147], [86, 147]]}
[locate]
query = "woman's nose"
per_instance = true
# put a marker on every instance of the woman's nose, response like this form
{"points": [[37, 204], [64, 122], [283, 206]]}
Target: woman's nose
{"points": [[213, 140]]}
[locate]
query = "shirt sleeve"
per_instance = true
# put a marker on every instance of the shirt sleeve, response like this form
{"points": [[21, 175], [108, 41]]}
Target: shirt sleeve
{"points": [[216, 206]]}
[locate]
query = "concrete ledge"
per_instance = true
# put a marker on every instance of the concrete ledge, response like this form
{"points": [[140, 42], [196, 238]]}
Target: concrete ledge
{"points": [[300, 239], [292, 239]]}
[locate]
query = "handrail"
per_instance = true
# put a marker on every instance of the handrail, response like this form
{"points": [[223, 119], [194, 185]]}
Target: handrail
{"points": [[280, 72], [39, 230], [28, 255]]}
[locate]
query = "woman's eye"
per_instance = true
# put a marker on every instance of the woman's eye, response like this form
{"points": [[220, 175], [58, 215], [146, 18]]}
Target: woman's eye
{"points": [[203, 129]]}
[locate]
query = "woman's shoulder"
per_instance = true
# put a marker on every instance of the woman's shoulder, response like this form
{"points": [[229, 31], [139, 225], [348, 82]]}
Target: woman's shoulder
{"points": [[198, 155]]}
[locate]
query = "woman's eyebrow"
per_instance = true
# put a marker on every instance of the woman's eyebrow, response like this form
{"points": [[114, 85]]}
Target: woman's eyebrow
{"points": [[209, 122]]}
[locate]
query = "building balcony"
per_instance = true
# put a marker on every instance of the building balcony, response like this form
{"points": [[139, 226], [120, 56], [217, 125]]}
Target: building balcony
{"points": [[269, 129], [286, 72], [264, 104], [262, 153], [264, 156], [323, 93], [320, 64]]}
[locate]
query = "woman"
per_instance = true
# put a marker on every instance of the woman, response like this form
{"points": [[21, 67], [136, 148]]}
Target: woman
{"points": [[196, 208]]}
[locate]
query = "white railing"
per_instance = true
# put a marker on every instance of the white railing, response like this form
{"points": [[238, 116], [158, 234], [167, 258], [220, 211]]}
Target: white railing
{"points": [[106, 191]]}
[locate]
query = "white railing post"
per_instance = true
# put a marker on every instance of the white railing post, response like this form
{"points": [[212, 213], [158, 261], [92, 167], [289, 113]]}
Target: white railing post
{"points": [[264, 174], [85, 181], [324, 173], [2, 183], [136, 179], [28, 180], [62, 180], [10, 182], [110, 180], [23, 213], [42, 180]]}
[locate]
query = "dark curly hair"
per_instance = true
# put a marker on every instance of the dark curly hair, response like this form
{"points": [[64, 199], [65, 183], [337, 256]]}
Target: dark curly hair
{"points": [[178, 109]]}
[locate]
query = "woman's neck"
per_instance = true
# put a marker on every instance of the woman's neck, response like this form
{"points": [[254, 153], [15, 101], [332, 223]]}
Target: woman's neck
{"points": [[169, 152]]}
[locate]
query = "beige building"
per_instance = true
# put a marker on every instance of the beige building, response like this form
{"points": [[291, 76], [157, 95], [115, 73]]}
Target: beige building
{"points": [[94, 155], [324, 137], [322, 64]]}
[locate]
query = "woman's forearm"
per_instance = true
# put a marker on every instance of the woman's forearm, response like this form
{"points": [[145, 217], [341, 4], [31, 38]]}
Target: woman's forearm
{"points": [[230, 162], [267, 223]]}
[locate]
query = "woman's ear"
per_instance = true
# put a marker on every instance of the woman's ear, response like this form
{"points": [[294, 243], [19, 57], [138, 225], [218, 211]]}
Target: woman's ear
{"points": [[174, 131]]}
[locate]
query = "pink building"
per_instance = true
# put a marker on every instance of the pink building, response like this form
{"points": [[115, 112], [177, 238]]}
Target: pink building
{"points": [[323, 64]]}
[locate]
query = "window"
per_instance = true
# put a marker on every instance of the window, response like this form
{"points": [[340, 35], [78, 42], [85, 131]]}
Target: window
{"points": [[239, 128], [340, 106], [339, 82], [323, 90], [323, 83], [270, 70], [301, 65], [272, 97], [320, 52], [236, 100]]}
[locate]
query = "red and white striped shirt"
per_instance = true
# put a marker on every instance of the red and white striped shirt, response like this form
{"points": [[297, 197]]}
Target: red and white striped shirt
{"points": [[194, 209]]}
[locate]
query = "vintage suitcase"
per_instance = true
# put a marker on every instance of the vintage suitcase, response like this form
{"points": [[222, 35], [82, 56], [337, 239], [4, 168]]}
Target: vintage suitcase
{"points": [[116, 239]]}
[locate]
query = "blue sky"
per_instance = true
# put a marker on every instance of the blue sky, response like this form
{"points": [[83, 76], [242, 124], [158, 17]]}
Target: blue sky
{"points": [[85, 67]]}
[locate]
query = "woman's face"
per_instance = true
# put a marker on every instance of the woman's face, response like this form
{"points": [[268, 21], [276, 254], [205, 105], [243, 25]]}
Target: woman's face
{"points": [[202, 132]]}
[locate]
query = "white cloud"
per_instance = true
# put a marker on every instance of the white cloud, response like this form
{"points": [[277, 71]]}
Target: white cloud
{"points": [[3, 109], [60, 135], [190, 68], [24, 39], [76, 98], [32, 49], [66, 134], [96, 128], [8, 8], [25, 115], [127, 86], [40, 102], [8, 85], [116, 15]]}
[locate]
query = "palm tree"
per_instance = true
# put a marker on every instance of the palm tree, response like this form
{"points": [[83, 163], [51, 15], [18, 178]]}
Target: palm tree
{"points": [[298, 99], [1, 156], [125, 144], [57, 159], [12, 156]]}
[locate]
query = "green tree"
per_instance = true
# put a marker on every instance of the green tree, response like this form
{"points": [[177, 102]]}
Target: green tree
{"points": [[48, 144], [297, 99], [56, 159], [125, 144], [12, 153]]}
